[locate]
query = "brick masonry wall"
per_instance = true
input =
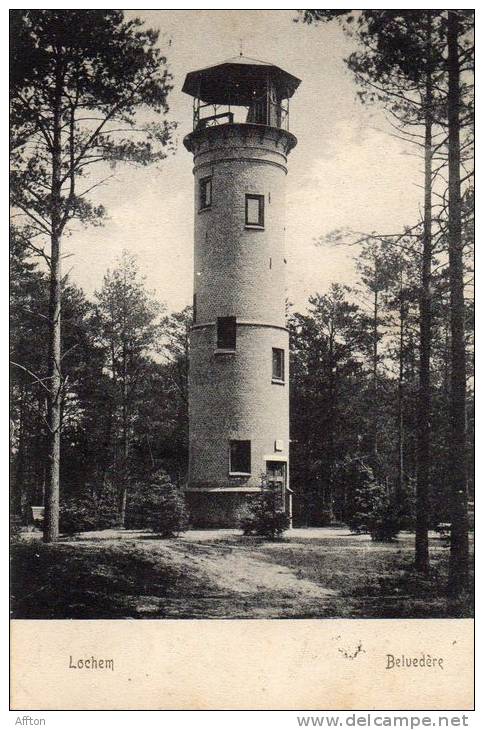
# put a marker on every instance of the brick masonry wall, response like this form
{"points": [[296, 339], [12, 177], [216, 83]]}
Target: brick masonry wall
{"points": [[232, 396], [216, 509], [238, 271]]}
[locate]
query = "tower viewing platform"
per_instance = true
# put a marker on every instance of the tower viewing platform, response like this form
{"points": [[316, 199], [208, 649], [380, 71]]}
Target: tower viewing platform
{"points": [[241, 91]]}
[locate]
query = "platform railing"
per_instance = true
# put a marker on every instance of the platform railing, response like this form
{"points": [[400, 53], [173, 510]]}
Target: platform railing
{"points": [[261, 112]]}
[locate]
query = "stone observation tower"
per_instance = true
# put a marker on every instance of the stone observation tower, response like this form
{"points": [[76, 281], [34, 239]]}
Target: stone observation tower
{"points": [[239, 343]]}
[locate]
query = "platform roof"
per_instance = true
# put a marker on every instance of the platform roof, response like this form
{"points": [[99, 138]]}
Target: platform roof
{"points": [[234, 81]]}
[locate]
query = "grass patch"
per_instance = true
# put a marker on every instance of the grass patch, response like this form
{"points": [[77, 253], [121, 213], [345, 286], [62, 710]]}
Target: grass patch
{"points": [[373, 580], [89, 580], [139, 576]]}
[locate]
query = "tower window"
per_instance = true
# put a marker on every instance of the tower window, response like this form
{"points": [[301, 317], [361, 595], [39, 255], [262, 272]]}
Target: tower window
{"points": [[194, 308], [254, 210], [226, 333], [205, 193], [239, 457], [278, 364]]}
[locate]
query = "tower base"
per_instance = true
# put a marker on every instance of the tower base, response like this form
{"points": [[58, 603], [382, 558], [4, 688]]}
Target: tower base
{"points": [[217, 509]]}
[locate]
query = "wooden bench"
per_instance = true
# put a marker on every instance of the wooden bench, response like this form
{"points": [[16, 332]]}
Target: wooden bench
{"points": [[37, 514], [443, 528]]}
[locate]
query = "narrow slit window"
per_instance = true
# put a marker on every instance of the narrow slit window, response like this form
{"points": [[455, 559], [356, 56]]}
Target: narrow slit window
{"points": [[226, 333], [254, 210], [239, 457], [205, 192], [194, 308], [278, 364]]}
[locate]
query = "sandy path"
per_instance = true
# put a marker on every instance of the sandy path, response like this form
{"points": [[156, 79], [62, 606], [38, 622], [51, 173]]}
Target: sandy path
{"points": [[235, 581], [242, 571], [231, 568]]}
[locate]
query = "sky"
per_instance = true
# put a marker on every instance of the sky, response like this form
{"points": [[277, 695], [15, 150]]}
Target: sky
{"points": [[347, 170]]}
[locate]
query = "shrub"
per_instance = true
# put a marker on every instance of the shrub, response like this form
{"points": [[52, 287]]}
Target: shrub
{"points": [[79, 514], [351, 476], [106, 508], [159, 506], [173, 514], [265, 516], [384, 523], [374, 512]]}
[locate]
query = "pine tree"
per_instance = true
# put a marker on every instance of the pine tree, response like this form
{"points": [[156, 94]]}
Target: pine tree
{"points": [[78, 81], [127, 321], [413, 62]]}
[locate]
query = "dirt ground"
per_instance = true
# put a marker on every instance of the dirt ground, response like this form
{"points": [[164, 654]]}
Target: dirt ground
{"points": [[232, 567], [311, 573]]}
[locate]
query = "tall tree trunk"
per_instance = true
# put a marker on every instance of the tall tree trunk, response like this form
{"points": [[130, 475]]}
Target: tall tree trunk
{"points": [[400, 425], [374, 445], [19, 487], [328, 466], [123, 493], [124, 455], [459, 540], [103, 471], [424, 399], [51, 518], [36, 487]]}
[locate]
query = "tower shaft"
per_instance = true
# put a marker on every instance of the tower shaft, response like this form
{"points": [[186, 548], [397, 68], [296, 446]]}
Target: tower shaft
{"points": [[239, 342]]}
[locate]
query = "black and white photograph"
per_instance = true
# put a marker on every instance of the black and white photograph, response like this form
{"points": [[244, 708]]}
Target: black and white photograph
{"points": [[241, 316]]}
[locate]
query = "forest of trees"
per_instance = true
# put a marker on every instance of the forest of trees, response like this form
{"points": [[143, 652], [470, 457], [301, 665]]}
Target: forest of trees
{"points": [[418, 65], [381, 373], [124, 404], [354, 385], [354, 390]]}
